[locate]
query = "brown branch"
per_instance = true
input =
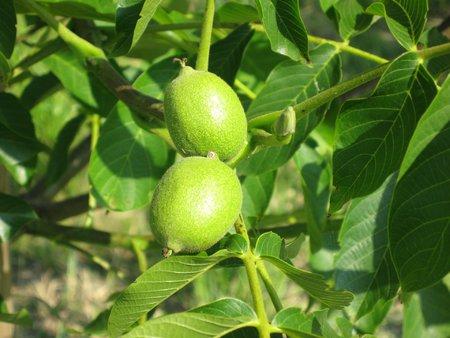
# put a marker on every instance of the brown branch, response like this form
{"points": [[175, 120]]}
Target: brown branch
{"points": [[59, 211], [143, 105], [60, 233]]}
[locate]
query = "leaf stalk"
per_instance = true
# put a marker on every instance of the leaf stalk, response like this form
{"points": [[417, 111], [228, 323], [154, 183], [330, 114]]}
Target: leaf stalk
{"points": [[205, 38]]}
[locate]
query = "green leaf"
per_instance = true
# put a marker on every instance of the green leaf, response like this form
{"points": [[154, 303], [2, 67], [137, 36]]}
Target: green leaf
{"points": [[419, 230], [257, 192], [235, 12], [39, 88], [22, 172], [127, 162], [284, 27], [288, 84], [14, 213], [438, 65], [315, 172], [313, 284], [21, 318], [212, 320], [18, 143], [7, 28], [59, 156], [364, 265], [156, 285], [83, 9], [405, 19], [426, 313], [348, 15], [370, 322], [226, 54], [5, 71], [295, 323], [82, 85], [269, 244], [132, 18], [372, 134]]}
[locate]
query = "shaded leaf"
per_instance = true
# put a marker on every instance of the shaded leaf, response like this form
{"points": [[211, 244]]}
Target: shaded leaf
{"points": [[419, 224], [288, 84], [315, 172], [257, 192], [39, 88], [156, 285], [59, 156], [226, 54], [426, 313], [284, 27], [5, 71], [313, 284], [405, 19], [14, 213], [372, 134], [82, 85], [7, 28], [18, 143], [364, 265], [348, 15], [132, 18]]}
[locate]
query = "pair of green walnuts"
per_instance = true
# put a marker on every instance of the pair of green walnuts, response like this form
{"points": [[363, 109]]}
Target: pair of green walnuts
{"points": [[199, 198]]}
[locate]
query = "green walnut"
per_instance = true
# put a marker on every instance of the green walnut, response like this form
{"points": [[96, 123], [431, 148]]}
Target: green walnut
{"points": [[196, 201], [204, 114]]}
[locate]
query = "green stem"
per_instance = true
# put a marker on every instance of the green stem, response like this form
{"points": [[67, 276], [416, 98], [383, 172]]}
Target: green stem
{"points": [[244, 89], [143, 266], [435, 51], [95, 132], [321, 98], [249, 261], [80, 45], [269, 285], [205, 38], [345, 47]]}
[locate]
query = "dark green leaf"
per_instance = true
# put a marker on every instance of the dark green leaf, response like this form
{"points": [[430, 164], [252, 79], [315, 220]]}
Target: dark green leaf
{"points": [[235, 12], [14, 213], [257, 192], [99, 326], [405, 19], [284, 27], [39, 88], [21, 318], [364, 265], [7, 27], [132, 18], [212, 320], [226, 54], [370, 322], [313, 284], [18, 143], [157, 284], [372, 134], [59, 156], [127, 162], [426, 313], [290, 83], [269, 244], [315, 171], [83, 85], [419, 230], [348, 15], [22, 172], [83, 9], [5, 71]]}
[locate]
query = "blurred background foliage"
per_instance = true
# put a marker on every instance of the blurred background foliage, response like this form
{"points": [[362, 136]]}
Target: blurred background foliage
{"points": [[62, 289]]}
